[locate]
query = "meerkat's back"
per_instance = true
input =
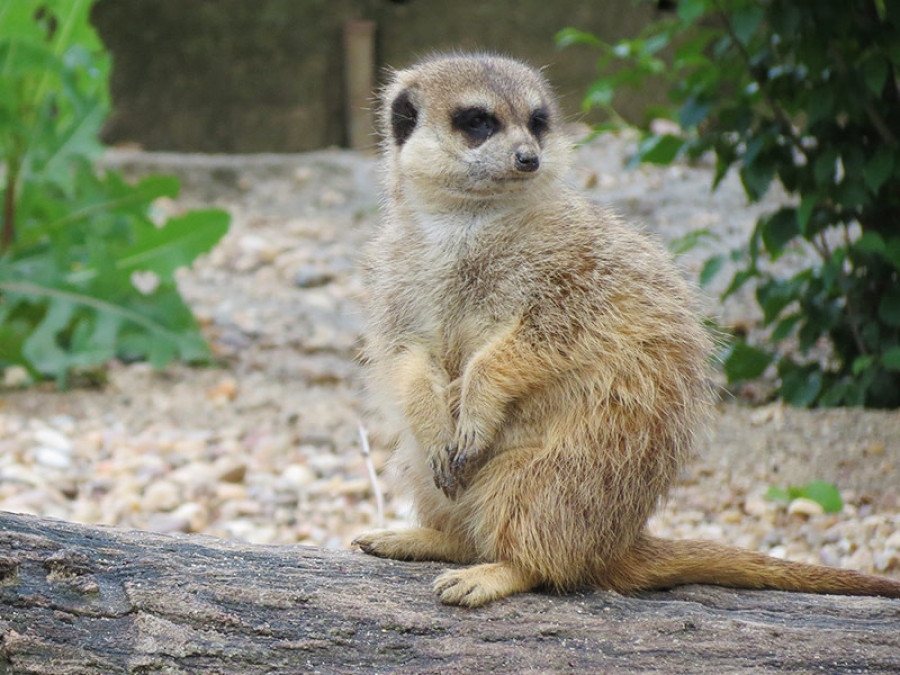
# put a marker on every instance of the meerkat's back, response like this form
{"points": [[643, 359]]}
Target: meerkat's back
{"points": [[541, 363]]}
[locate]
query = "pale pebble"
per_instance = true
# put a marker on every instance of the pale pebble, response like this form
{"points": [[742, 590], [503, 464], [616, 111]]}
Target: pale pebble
{"points": [[778, 552], [298, 475], [53, 439], [887, 560], [805, 507], [861, 560], [161, 496], [195, 515], [53, 458], [756, 505], [167, 523]]}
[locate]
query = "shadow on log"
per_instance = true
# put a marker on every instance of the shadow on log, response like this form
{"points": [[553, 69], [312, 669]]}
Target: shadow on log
{"points": [[77, 599]]}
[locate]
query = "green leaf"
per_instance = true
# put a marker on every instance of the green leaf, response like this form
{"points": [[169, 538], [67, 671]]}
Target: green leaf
{"points": [[800, 385], [785, 327], [571, 36], [821, 106], [691, 53], [176, 244], [710, 269], [776, 494], [852, 194], [875, 73], [745, 362], [740, 278], [76, 140], [893, 251], [691, 10], [778, 229], [870, 242], [891, 359], [63, 300], [756, 178], [163, 324], [745, 21], [693, 112], [861, 363], [842, 392], [691, 240], [826, 494], [879, 167], [658, 149], [723, 164], [825, 166], [805, 210], [41, 348], [774, 295], [889, 307], [600, 93]]}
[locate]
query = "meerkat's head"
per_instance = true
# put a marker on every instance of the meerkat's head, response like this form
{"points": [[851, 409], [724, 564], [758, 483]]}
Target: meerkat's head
{"points": [[471, 128]]}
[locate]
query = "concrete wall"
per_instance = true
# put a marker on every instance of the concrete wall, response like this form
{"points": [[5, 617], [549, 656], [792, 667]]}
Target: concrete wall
{"points": [[267, 75]]}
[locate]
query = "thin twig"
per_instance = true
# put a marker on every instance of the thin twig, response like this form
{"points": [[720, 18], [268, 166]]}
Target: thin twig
{"points": [[370, 466]]}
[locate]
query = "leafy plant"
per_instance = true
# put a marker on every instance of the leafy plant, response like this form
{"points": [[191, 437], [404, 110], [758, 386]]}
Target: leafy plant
{"points": [[823, 493], [807, 94], [85, 274]]}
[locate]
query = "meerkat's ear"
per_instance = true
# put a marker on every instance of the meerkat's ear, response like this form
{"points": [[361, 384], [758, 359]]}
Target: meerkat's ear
{"points": [[404, 116]]}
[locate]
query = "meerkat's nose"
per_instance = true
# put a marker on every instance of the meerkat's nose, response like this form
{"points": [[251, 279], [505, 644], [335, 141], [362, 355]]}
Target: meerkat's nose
{"points": [[527, 160]]}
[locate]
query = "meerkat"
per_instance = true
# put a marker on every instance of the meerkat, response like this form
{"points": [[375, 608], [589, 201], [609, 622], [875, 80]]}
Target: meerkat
{"points": [[542, 365]]}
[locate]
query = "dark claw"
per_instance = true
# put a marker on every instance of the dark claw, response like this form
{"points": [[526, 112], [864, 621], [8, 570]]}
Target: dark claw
{"points": [[443, 472], [434, 474], [459, 463]]}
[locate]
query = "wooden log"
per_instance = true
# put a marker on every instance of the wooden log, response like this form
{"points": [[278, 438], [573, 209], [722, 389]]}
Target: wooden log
{"points": [[77, 599]]}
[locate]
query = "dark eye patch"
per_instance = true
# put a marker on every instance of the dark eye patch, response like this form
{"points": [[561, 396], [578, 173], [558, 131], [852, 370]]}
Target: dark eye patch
{"points": [[539, 122], [476, 123], [403, 117]]}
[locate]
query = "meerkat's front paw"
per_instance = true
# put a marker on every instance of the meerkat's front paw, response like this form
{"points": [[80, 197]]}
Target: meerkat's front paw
{"points": [[441, 461], [399, 545], [419, 543], [464, 455], [374, 543], [453, 466], [478, 585]]}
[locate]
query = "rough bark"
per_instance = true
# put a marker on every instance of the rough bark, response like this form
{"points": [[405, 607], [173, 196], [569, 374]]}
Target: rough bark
{"points": [[76, 599]]}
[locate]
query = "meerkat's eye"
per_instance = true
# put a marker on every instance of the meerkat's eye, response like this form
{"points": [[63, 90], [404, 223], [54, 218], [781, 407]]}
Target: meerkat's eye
{"points": [[539, 122], [476, 123]]}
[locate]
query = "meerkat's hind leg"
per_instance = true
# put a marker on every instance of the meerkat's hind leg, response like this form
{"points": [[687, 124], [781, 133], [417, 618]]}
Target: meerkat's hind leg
{"points": [[418, 543], [480, 584]]}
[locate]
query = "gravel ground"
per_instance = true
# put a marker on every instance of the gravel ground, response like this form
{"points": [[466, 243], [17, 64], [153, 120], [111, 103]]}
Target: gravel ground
{"points": [[265, 447]]}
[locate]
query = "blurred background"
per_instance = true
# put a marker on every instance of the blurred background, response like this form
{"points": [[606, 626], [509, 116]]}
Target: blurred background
{"points": [[293, 76]]}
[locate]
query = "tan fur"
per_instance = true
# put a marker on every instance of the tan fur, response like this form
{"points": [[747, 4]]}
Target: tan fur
{"points": [[541, 363]]}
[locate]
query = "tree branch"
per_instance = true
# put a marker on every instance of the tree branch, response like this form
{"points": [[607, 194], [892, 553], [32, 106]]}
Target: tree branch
{"points": [[90, 600]]}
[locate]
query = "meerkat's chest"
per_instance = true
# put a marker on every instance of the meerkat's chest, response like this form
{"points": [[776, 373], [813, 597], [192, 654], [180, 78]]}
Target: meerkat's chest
{"points": [[458, 298]]}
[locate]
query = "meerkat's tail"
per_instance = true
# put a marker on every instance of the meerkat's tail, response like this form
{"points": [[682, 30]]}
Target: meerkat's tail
{"points": [[662, 563]]}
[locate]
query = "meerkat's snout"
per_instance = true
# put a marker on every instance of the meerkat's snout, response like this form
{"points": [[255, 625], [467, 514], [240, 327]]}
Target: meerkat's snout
{"points": [[526, 159]]}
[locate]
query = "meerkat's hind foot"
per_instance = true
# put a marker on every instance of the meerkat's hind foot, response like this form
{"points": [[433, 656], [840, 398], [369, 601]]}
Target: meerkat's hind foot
{"points": [[478, 585], [420, 543]]}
